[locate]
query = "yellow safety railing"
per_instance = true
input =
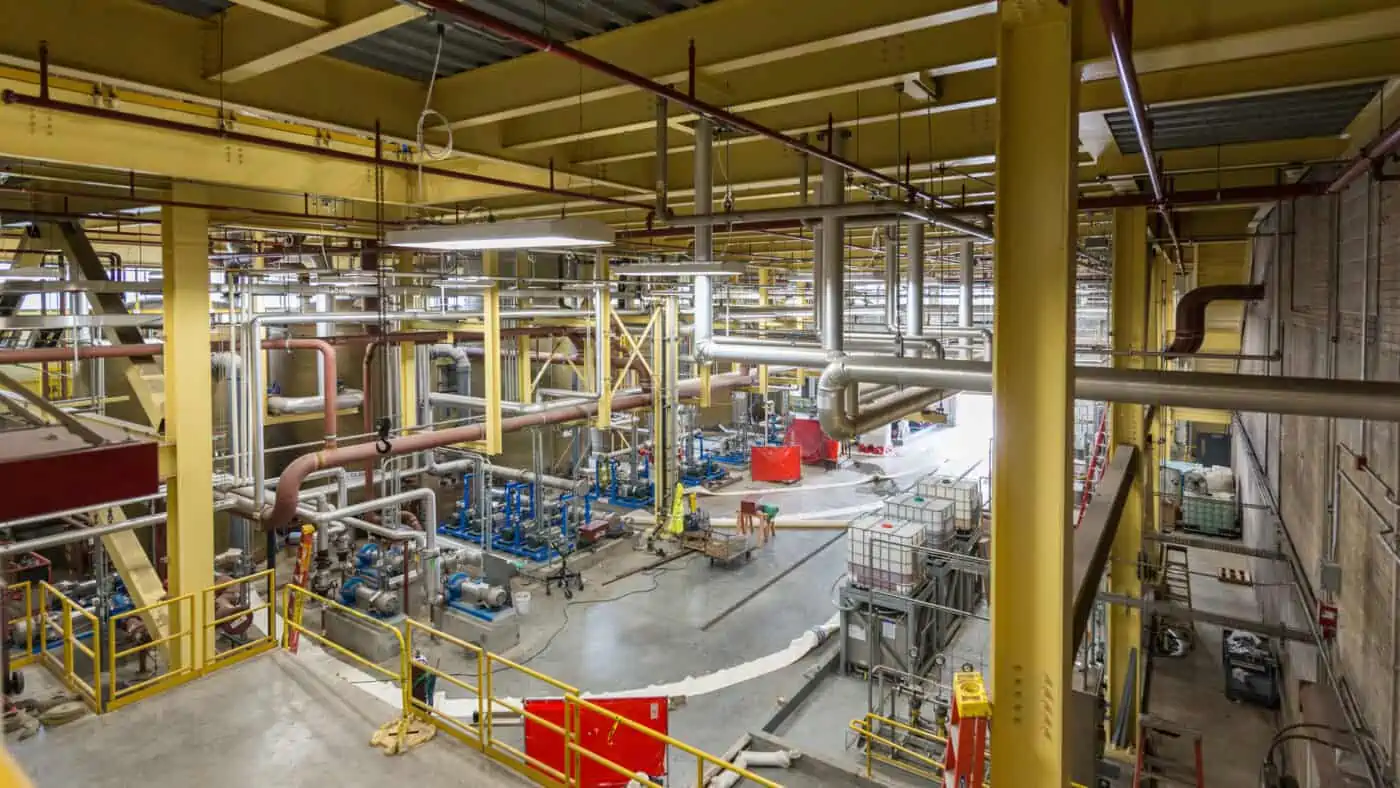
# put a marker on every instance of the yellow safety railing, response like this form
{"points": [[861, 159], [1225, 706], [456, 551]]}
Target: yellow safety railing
{"points": [[216, 659], [509, 754], [52, 600], [702, 759], [469, 733], [900, 756], [482, 733], [23, 593], [176, 648], [298, 596]]}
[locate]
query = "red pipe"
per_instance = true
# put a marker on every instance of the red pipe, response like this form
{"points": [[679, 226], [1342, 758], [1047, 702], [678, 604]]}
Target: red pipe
{"points": [[1236, 194], [48, 354], [726, 118], [1371, 156], [285, 504], [328, 373], [11, 97]]}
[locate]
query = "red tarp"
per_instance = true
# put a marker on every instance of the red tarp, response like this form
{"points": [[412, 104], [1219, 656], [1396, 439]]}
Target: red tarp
{"points": [[808, 436], [775, 463], [602, 736]]}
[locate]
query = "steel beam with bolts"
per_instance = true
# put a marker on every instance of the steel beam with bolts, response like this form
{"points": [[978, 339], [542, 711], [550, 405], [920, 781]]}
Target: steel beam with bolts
{"points": [[1128, 427], [188, 413], [1034, 286]]}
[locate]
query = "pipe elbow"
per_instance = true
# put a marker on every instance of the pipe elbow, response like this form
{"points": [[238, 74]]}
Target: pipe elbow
{"points": [[284, 505]]}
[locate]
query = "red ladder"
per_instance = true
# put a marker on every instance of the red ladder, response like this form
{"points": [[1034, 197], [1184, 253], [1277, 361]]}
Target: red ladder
{"points": [[1095, 470]]}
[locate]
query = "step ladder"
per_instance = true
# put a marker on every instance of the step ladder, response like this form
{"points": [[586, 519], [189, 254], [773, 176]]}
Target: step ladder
{"points": [[1154, 769], [1176, 576], [301, 577]]}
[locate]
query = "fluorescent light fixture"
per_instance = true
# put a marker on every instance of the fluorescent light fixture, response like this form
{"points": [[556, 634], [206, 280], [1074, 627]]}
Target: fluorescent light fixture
{"points": [[515, 234], [725, 268]]}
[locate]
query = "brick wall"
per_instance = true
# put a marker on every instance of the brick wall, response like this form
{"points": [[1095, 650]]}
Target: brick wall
{"points": [[1333, 272]]}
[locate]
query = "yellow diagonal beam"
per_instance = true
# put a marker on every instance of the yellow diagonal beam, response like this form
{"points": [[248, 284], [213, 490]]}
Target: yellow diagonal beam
{"points": [[1031, 387], [389, 14]]}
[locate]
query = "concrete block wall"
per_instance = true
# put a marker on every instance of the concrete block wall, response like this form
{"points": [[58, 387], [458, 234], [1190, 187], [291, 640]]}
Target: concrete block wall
{"points": [[1333, 270]]}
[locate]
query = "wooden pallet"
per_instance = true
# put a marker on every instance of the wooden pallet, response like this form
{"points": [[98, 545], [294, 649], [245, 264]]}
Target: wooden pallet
{"points": [[1238, 577]]}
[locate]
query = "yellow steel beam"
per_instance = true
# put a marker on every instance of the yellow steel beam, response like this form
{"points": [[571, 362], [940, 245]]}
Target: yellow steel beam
{"points": [[729, 37], [491, 320], [313, 18], [1034, 286], [367, 18], [524, 381], [113, 41], [188, 414], [1129, 317]]}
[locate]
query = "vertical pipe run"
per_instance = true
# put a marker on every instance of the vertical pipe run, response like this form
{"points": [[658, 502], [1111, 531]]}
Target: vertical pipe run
{"points": [[914, 286], [967, 262], [704, 236], [661, 159], [892, 278], [831, 290]]}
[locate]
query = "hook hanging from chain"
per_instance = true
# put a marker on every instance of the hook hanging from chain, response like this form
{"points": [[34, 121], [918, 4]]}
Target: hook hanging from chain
{"points": [[381, 428]]}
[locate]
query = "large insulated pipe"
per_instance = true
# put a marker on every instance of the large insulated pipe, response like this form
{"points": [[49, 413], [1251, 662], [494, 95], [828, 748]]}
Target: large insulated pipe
{"points": [[284, 506], [1349, 399], [1191, 313], [966, 269], [831, 288], [892, 279], [704, 236], [914, 287], [55, 354]]}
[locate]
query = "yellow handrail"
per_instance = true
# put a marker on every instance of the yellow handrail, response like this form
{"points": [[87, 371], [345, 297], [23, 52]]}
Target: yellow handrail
{"points": [[180, 659], [26, 591], [863, 728], [217, 659], [65, 671]]}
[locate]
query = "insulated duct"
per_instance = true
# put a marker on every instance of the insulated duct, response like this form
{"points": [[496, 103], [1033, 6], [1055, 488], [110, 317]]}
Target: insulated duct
{"points": [[1191, 313]]}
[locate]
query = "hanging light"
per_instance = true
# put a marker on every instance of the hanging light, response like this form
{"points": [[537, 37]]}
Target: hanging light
{"points": [[514, 234]]}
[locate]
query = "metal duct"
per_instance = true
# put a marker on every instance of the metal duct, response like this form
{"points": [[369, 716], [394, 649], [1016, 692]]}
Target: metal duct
{"points": [[1191, 313]]}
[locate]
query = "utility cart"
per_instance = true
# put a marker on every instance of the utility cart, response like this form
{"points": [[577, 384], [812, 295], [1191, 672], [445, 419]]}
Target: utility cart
{"points": [[727, 548]]}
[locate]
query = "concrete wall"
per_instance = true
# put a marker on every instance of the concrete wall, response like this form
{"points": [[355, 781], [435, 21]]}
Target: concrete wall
{"points": [[1332, 265]]}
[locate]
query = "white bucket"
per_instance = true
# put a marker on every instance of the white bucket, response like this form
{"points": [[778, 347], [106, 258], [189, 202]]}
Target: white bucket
{"points": [[522, 602]]}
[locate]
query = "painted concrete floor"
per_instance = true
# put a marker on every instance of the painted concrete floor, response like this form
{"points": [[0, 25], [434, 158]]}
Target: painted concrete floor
{"points": [[267, 721]]}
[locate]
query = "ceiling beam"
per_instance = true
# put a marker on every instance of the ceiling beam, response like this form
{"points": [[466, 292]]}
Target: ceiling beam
{"points": [[368, 18], [283, 11]]}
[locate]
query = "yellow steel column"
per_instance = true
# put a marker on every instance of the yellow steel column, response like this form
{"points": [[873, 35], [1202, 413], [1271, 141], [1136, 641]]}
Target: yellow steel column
{"points": [[525, 380], [604, 332], [1034, 288], [1131, 294], [491, 318], [188, 409]]}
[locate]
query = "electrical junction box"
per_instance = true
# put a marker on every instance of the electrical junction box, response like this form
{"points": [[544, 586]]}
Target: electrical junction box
{"points": [[1330, 577]]}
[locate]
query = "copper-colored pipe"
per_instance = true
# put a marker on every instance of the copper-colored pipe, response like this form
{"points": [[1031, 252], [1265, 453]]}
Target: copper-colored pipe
{"points": [[285, 504], [1191, 314], [1373, 155], [12, 97], [48, 354], [328, 372]]}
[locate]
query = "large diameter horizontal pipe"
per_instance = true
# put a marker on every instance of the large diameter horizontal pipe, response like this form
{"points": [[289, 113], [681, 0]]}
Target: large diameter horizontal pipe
{"points": [[1348, 399], [58, 354], [284, 507], [80, 534]]}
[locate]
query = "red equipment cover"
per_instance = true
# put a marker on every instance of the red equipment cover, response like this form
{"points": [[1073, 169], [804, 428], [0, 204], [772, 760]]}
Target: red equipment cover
{"points": [[775, 463], [807, 434], [39, 465], [602, 736]]}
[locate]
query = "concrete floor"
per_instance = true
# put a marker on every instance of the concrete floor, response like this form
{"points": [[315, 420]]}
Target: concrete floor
{"points": [[267, 721], [1190, 691]]}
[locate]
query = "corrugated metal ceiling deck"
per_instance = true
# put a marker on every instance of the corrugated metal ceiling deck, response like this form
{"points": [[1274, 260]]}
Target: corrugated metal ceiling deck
{"points": [[408, 50], [1319, 112]]}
